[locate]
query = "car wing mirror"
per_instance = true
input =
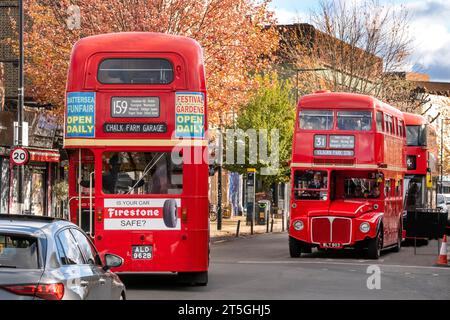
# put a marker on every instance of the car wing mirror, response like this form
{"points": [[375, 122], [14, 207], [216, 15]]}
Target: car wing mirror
{"points": [[112, 261]]}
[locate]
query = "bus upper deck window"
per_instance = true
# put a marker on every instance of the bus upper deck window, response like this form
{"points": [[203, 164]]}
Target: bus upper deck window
{"points": [[316, 119], [354, 120], [379, 121], [135, 71]]}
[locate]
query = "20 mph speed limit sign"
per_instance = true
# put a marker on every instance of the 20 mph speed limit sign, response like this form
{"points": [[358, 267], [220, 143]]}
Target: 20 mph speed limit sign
{"points": [[20, 156]]}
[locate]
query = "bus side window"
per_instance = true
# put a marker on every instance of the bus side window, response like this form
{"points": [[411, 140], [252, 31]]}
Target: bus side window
{"points": [[387, 188], [379, 121], [399, 188], [394, 128]]}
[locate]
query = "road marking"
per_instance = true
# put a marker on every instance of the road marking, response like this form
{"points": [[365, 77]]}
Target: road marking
{"points": [[339, 263]]}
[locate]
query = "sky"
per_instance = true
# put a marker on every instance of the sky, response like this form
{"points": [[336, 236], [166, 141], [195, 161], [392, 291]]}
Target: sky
{"points": [[429, 25]]}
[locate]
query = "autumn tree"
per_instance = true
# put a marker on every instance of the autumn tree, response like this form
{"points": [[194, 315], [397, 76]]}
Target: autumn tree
{"points": [[354, 46], [230, 32], [264, 128]]}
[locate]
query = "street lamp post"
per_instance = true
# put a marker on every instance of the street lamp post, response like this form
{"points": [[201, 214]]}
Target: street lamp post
{"points": [[219, 184], [20, 100]]}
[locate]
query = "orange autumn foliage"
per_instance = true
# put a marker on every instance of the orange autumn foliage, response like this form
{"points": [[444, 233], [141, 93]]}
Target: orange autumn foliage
{"points": [[231, 32]]}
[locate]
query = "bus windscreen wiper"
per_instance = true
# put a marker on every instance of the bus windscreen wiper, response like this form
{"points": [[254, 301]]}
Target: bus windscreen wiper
{"points": [[7, 266], [147, 169]]}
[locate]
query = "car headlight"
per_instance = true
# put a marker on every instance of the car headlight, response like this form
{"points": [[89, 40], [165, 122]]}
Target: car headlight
{"points": [[364, 227], [298, 225]]}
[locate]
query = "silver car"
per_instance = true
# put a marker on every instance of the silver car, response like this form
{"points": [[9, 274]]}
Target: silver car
{"points": [[51, 259]]}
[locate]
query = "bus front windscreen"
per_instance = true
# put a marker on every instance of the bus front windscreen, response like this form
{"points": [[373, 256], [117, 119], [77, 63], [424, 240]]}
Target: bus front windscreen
{"points": [[361, 188], [316, 119], [354, 120], [416, 136]]}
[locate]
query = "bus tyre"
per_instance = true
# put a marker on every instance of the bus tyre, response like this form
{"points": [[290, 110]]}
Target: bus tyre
{"points": [[375, 245], [170, 213], [295, 248], [194, 278]]}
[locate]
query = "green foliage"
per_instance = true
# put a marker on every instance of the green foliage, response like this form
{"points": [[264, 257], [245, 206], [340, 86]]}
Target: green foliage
{"points": [[271, 107]]}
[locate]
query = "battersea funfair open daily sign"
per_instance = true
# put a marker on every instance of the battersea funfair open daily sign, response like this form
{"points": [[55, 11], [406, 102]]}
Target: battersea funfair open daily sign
{"points": [[189, 115], [80, 121]]}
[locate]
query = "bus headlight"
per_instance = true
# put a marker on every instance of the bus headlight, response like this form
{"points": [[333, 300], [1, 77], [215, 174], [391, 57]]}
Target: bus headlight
{"points": [[364, 227], [298, 225]]}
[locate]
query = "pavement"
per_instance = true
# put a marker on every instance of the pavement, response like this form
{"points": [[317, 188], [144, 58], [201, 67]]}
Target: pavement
{"points": [[229, 228], [259, 267]]}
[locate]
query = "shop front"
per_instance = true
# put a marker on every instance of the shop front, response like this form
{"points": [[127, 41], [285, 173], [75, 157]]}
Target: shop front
{"points": [[42, 171]]}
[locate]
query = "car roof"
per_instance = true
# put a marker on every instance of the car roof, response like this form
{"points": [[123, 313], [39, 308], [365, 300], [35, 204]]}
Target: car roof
{"points": [[29, 224]]}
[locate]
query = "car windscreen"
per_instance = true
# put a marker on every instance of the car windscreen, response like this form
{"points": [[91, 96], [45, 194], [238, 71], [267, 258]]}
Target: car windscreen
{"points": [[18, 251]]}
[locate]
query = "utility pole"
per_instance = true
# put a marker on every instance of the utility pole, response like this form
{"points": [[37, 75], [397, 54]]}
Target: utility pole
{"points": [[20, 100]]}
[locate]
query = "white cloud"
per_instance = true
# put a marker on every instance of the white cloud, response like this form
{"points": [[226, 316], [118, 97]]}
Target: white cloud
{"points": [[285, 16], [430, 30]]}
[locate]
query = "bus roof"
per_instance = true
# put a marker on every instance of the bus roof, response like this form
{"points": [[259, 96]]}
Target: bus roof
{"points": [[129, 44], [136, 42], [412, 119], [346, 100]]}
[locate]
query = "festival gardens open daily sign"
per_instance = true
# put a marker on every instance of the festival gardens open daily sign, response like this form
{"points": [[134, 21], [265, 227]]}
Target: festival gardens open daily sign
{"points": [[189, 115], [80, 121]]}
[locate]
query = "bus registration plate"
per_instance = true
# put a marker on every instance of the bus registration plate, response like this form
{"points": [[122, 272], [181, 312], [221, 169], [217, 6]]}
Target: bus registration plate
{"points": [[142, 252], [332, 245]]}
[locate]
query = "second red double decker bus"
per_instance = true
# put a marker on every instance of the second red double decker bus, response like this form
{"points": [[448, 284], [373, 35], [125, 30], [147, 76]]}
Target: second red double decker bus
{"points": [[135, 127], [347, 174], [421, 162]]}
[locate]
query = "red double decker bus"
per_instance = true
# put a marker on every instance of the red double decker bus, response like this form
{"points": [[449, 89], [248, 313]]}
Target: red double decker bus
{"points": [[421, 178], [347, 174], [421, 162], [135, 127]]}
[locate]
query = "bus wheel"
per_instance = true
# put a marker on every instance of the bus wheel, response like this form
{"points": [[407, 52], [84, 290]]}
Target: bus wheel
{"points": [[170, 213], [295, 248], [194, 278], [375, 245], [399, 239]]}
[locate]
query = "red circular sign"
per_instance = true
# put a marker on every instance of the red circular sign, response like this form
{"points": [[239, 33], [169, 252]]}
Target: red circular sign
{"points": [[20, 156]]}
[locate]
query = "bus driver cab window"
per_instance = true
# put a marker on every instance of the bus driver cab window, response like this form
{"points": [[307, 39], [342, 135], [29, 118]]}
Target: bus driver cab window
{"points": [[311, 185]]}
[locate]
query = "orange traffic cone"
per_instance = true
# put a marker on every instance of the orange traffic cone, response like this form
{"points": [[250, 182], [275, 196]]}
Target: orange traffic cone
{"points": [[442, 260]]}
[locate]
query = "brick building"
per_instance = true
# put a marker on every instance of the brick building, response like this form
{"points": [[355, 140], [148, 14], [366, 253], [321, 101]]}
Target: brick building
{"points": [[42, 140]]}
